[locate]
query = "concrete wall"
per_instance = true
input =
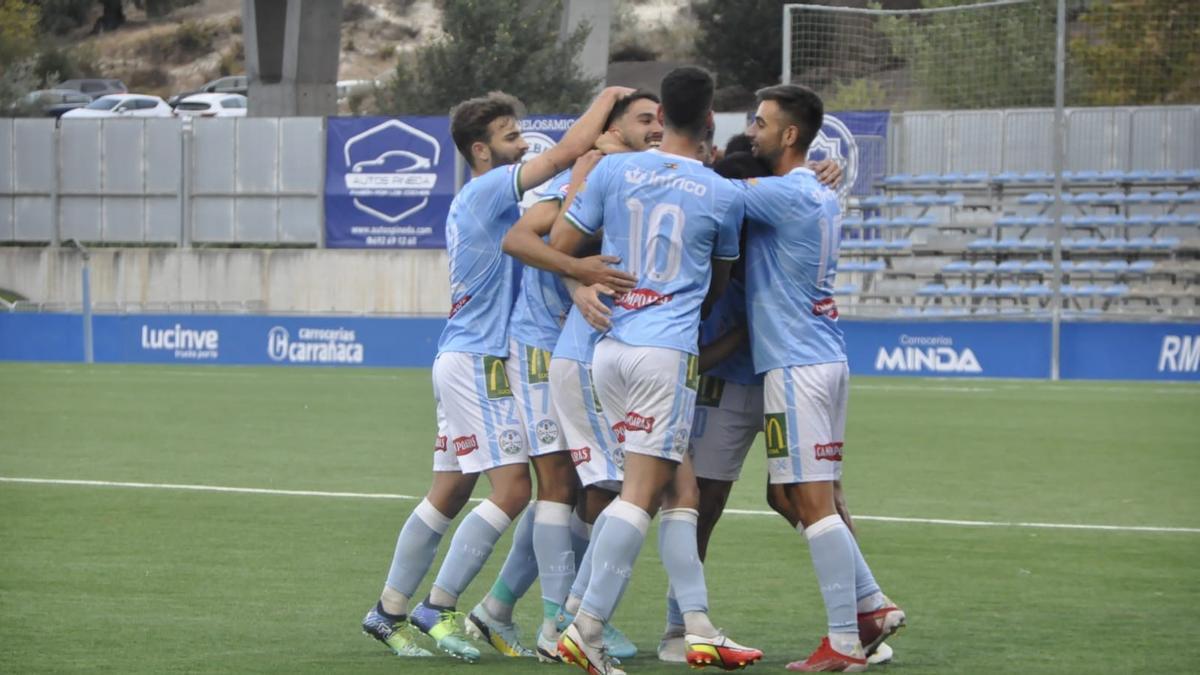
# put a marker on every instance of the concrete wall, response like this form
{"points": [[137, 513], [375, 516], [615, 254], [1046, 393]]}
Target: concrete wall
{"points": [[283, 280]]}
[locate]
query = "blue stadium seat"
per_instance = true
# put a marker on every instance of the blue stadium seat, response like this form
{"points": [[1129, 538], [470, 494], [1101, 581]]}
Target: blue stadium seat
{"points": [[852, 244], [1070, 221], [1068, 265], [925, 179], [902, 221], [1005, 177], [1008, 221], [976, 177], [873, 202], [1036, 177], [1165, 220], [985, 290], [1086, 176], [852, 221], [1190, 197], [951, 178], [1036, 221], [1140, 243], [1008, 244], [898, 244], [846, 289], [1036, 198], [877, 265], [1113, 244], [902, 200], [1088, 289], [931, 290], [1112, 176], [1141, 266], [1010, 266], [1140, 220], [957, 267], [951, 199], [1189, 219], [1136, 176], [1083, 198], [1162, 176], [924, 221], [1114, 267], [849, 266], [1037, 267], [1165, 197], [896, 179], [1082, 243], [1110, 220], [877, 221], [1111, 198], [958, 290], [983, 266], [1165, 243], [1036, 291], [1086, 267], [927, 199], [983, 244], [1138, 198], [1033, 244], [1115, 291]]}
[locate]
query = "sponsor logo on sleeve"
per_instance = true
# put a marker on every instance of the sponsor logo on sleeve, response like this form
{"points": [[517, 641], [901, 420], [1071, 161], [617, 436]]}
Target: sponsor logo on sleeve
{"points": [[314, 345], [831, 452], [496, 376], [776, 432], [465, 445], [184, 343], [640, 298]]}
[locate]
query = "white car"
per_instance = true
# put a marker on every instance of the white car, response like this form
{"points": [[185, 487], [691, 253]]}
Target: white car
{"points": [[212, 105], [122, 105]]}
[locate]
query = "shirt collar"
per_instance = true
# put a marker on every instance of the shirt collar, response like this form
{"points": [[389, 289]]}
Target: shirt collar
{"points": [[674, 156]]}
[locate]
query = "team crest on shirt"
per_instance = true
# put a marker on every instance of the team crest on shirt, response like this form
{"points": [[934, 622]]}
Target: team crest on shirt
{"points": [[640, 298], [510, 442], [547, 431], [831, 452]]}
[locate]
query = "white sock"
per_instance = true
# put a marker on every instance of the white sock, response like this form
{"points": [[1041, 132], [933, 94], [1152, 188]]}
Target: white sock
{"points": [[846, 643], [698, 623], [572, 605], [871, 603]]}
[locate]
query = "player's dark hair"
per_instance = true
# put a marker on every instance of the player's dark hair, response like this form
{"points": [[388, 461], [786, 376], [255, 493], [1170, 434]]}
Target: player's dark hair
{"points": [[622, 105], [738, 143], [687, 96], [741, 165], [801, 105], [469, 120]]}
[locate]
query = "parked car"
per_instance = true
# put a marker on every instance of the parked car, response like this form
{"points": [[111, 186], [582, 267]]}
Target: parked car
{"points": [[122, 105], [234, 84], [50, 102], [95, 88], [347, 87], [212, 105]]}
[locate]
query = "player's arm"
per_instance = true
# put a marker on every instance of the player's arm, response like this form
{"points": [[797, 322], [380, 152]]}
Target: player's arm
{"points": [[720, 279], [578, 140], [525, 242], [828, 171], [567, 235], [722, 348], [591, 307], [726, 250]]}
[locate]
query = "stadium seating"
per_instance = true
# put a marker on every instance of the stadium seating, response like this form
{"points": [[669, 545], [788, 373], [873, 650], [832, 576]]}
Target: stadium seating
{"points": [[976, 243]]}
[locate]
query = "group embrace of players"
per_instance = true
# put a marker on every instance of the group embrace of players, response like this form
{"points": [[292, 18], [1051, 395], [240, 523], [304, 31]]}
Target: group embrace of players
{"points": [[664, 314]]}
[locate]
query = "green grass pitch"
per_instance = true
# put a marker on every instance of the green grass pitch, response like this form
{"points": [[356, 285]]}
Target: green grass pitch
{"points": [[160, 580]]}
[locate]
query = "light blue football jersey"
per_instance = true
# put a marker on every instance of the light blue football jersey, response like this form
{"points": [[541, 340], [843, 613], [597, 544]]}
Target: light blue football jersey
{"points": [[795, 226], [728, 313], [666, 217], [578, 339], [543, 301], [482, 277]]}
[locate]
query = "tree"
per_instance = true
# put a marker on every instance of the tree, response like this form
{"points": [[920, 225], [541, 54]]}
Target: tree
{"points": [[18, 30], [510, 45], [1138, 52]]}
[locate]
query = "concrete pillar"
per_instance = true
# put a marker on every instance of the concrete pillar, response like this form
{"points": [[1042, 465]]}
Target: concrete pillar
{"points": [[593, 60], [292, 50]]}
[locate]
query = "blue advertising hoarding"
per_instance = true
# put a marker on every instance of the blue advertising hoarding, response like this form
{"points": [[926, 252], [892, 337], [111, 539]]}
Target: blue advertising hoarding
{"points": [[389, 182], [1000, 349], [859, 141]]}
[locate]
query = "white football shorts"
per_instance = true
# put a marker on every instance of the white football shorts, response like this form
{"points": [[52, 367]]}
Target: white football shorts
{"points": [[532, 392], [805, 422], [479, 422], [728, 418], [648, 395], [593, 444]]}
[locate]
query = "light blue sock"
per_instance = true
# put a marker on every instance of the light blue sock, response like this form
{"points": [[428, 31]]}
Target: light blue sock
{"points": [[469, 550], [680, 555], [674, 615], [517, 574], [832, 548], [416, 547], [581, 534], [617, 547], [555, 559], [864, 582], [583, 572]]}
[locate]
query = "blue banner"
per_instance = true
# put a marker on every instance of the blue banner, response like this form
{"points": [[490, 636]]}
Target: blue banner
{"points": [[1130, 351], [542, 132], [1093, 351], [948, 348], [859, 141], [389, 182]]}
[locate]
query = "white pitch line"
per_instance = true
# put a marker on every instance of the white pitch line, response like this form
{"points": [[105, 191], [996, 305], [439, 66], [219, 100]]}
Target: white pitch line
{"points": [[737, 512]]}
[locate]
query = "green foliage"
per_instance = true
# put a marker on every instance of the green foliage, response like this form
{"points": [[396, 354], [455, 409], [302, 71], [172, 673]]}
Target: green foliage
{"points": [[16, 80], [191, 40], [510, 45], [61, 16], [858, 94], [54, 65], [1138, 52], [742, 41], [18, 30], [988, 58]]}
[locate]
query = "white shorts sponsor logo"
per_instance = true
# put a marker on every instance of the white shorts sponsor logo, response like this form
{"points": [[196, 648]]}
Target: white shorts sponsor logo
{"points": [[185, 343], [314, 345]]}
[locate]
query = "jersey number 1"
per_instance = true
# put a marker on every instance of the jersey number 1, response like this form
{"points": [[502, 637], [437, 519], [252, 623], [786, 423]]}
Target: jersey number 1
{"points": [[673, 238]]}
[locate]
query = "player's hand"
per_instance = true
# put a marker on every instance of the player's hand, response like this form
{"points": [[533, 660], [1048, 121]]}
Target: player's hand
{"points": [[598, 269], [593, 309], [586, 162], [617, 93], [828, 172], [610, 143]]}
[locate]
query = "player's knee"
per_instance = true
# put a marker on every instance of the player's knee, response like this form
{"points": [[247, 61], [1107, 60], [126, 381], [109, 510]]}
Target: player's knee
{"points": [[777, 499], [513, 494], [714, 494]]}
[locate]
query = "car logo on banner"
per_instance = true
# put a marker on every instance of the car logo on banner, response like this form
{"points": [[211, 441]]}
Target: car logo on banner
{"points": [[835, 141], [391, 169]]}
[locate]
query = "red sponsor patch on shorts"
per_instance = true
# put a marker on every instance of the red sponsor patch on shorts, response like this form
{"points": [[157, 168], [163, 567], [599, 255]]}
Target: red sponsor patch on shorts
{"points": [[639, 298], [619, 430], [826, 307], [829, 451], [581, 455], [465, 445], [459, 305], [440, 444], [635, 422]]}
